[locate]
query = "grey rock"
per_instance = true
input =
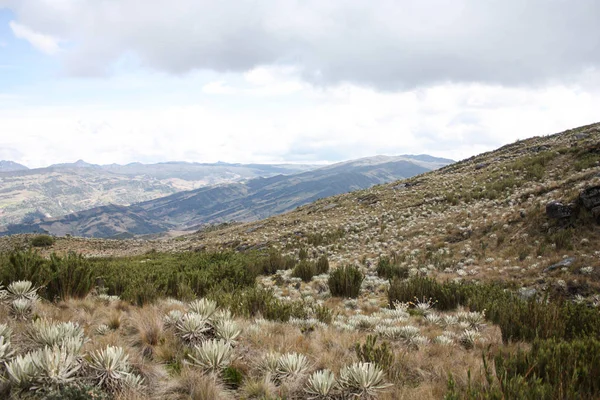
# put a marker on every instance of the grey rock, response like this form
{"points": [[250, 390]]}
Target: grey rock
{"points": [[558, 210], [564, 263], [526, 293], [590, 197], [481, 166]]}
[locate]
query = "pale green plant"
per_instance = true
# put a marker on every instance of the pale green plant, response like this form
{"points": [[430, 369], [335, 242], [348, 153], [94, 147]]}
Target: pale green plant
{"points": [[203, 307], [21, 370], [6, 352], [362, 380], [21, 308], [102, 329], [5, 331], [110, 367], [212, 355], [22, 290], [54, 366], [192, 328], [173, 318], [44, 332], [321, 385], [269, 363], [468, 338], [227, 330], [292, 365]]}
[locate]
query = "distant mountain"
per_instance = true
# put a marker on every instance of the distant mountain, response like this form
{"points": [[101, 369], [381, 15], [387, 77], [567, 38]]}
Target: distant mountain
{"points": [[8, 166], [245, 201], [60, 189]]}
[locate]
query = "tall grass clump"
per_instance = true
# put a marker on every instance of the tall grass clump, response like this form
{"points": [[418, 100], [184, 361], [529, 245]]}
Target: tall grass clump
{"points": [[345, 281], [70, 277], [305, 270]]}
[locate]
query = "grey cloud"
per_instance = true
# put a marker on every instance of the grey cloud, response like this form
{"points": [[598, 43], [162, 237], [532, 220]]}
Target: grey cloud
{"points": [[385, 44]]}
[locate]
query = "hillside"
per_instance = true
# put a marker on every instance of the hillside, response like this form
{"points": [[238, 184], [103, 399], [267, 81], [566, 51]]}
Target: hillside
{"points": [[10, 166], [60, 189], [479, 218], [477, 280], [251, 200]]}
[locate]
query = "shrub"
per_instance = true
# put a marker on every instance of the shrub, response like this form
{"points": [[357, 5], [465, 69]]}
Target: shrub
{"points": [[25, 266], [42, 241], [303, 254], [389, 270], [322, 265], [305, 270], [232, 377], [70, 277], [275, 262], [381, 355], [345, 281], [446, 296]]}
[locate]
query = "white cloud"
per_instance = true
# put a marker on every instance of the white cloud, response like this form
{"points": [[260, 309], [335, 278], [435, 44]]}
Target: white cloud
{"points": [[45, 43], [310, 124]]}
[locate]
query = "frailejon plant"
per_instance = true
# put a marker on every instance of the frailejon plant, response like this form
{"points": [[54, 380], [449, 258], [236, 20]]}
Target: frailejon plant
{"points": [[212, 355], [203, 307], [362, 380], [21, 308], [6, 352], [43, 332], [192, 328], [292, 365], [227, 330], [110, 369], [321, 385], [22, 290]]}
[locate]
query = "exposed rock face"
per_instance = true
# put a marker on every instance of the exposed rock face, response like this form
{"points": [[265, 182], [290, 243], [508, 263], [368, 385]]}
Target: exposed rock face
{"points": [[564, 263], [558, 210], [590, 199]]}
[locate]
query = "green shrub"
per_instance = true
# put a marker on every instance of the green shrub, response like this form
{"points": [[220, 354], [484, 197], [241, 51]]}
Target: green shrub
{"points": [[389, 270], [552, 369], [322, 265], [70, 277], [303, 254], [345, 281], [381, 355], [323, 313], [75, 392], [275, 262], [446, 296], [305, 270], [42, 241], [232, 377], [25, 266]]}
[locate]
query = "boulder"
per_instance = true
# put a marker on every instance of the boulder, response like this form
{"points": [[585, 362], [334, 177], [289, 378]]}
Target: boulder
{"points": [[558, 210], [590, 197], [564, 263]]}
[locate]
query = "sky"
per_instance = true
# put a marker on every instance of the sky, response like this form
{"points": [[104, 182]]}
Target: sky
{"points": [[303, 81]]}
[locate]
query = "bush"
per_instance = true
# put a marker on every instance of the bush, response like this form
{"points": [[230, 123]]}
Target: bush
{"points": [[345, 281], [232, 377], [70, 277], [552, 369], [446, 296], [25, 266], [381, 355], [322, 265], [275, 262], [389, 270], [305, 270], [42, 241]]}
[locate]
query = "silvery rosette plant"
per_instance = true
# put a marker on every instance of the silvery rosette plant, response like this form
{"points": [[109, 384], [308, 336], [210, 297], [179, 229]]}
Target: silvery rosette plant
{"points": [[203, 307], [321, 385], [110, 368], [192, 328], [212, 355], [362, 380]]}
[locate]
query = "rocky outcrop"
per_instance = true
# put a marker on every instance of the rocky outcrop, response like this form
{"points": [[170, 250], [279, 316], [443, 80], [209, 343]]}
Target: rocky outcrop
{"points": [[590, 199], [558, 210]]}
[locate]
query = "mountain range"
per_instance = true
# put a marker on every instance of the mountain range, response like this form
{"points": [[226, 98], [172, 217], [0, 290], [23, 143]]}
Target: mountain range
{"points": [[29, 194], [249, 200]]}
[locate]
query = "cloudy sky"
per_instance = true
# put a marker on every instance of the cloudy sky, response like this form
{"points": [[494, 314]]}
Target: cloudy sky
{"points": [[290, 80]]}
